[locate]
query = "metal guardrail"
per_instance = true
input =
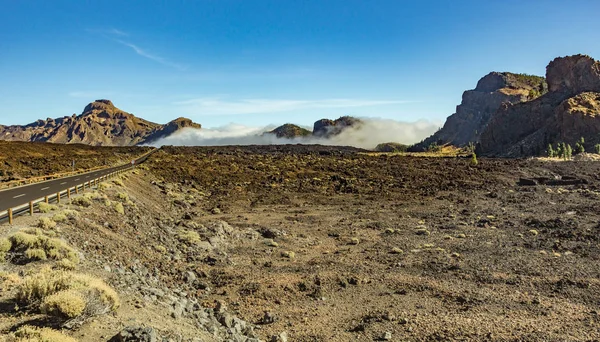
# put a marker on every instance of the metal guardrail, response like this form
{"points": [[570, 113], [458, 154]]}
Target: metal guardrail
{"points": [[30, 207], [32, 180]]}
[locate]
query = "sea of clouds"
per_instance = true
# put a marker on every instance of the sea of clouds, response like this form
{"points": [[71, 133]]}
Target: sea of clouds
{"points": [[366, 135]]}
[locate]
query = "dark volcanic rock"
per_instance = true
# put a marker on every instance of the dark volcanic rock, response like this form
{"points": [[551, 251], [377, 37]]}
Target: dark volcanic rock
{"points": [[100, 124], [326, 128], [573, 75]]}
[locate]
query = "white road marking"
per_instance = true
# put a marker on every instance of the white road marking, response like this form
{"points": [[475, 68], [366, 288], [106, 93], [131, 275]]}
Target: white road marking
{"points": [[46, 188], [77, 179], [63, 183], [21, 195]]}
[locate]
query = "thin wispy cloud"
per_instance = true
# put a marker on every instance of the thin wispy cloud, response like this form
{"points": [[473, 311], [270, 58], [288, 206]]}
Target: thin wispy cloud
{"points": [[118, 32], [150, 56], [218, 106]]}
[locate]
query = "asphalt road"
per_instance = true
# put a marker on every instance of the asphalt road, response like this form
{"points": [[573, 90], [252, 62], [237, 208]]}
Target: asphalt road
{"points": [[14, 197]]}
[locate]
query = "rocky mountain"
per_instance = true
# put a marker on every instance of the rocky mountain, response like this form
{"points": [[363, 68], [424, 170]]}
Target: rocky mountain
{"points": [[323, 128], [570, 110], [290, 131], [478, 105], [100, 124]]}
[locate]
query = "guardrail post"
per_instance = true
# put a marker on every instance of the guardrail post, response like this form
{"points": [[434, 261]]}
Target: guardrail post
{"points": [[77, 188], [10, 216], [30, 208], [69, 193], [58, 197], [46, 199]]}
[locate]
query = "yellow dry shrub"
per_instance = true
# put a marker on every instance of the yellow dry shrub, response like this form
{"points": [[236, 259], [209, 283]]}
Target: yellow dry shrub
{"points": [[46, 208], [36, 254], [103, 186], [33, 244], [82, 201], [35, 334], [118, 182], [123, 196], [188, 236], [5, 245], [119, 208], [68, 303], [70, 214], [65, 264], [46, 286], [8, 281], [59, 217], [47, 223]]}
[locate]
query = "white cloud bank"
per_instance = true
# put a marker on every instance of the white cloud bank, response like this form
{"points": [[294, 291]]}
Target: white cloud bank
{"points": [[367, 135]]}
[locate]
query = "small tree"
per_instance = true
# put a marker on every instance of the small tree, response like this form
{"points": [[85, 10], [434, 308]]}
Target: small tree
{"points": [[550, 151], [565, 152], [473, 159], [597, 148], [579, 147], [559, 152], [569, 153]]}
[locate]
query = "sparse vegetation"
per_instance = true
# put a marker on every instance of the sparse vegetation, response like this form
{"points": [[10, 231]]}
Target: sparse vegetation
{"points": [[118, 182], [46, 223], [119, 208], [188, 236], [391, 147], [36, 334], [59, 217], [82, 201], [67, 294], [122, 196], [473, 159], [46, 208], [104, 186], [32, 246]]}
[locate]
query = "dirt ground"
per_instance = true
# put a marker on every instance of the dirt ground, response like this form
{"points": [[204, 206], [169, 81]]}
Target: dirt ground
{"points": [[331, 244]]}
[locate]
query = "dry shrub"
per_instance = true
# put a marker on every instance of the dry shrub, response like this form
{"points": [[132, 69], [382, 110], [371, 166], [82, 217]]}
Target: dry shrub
{"points": [[59, 217], [119, 208], [35, 334], [5, 246], [46, 208], [103, 186], [82, 201], [8, 281], [35, 254], [47, 223], [68, 303], [32, 246], [70, 214], [118, 182], [65, 264], [67, 294], [123, 197], [188, 236]]}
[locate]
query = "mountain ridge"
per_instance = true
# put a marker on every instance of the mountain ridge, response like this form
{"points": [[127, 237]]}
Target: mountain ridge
{"points": [[100, 124]]}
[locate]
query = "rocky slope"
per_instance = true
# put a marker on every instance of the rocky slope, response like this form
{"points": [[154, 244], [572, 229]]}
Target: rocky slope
{"points": [[569, 111], [479, 104], [100, 124]]}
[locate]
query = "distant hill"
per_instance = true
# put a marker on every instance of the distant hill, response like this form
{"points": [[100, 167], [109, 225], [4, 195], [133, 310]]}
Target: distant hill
{"points": [[324, 128], [290, 131], [100, 124]]}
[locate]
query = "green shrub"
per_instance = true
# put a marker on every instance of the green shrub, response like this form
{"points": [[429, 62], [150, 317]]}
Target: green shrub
{"points": [[46, 208], [119, 208], [35, 334]]}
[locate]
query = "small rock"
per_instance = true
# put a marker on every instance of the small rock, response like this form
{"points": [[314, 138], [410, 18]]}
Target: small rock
{"points": [[396, 250], [283, 337], [387, 336], [268, 318], [215, 211], [422, 231], [354, 241], [189, 276]]}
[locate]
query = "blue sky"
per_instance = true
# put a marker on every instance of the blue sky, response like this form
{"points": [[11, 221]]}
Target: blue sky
{"points": [[259, 62]]}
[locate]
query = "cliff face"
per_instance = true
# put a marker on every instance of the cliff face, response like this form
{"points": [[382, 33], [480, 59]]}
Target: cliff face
{"points": [[478, 106], [569, 111], [100, 124]]}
